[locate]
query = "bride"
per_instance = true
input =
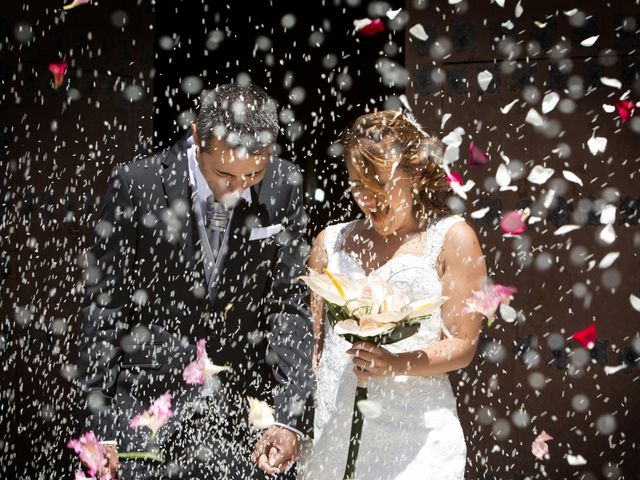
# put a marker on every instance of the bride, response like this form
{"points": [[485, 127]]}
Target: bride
{"points": [[408, 238]]}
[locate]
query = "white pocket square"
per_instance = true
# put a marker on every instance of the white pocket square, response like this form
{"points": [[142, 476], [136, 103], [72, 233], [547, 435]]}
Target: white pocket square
{"points": [[259, 233]]}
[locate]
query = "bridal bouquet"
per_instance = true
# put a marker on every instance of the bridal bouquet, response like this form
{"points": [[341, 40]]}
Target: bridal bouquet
{"points": [[369, 310]]}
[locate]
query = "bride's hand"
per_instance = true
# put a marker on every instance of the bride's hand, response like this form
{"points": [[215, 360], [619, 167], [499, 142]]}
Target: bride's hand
{"points": [[371, 361]]}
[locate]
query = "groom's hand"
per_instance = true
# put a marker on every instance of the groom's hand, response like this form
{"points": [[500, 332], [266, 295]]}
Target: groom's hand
{"points": [[111, 467], [277, 450]]}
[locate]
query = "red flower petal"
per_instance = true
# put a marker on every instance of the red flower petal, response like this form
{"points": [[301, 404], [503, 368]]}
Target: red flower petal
{"points": [[587, 336], [58, 70], [454, 177], [375, 26], [625, 109], [513, 223], [477, 156]]}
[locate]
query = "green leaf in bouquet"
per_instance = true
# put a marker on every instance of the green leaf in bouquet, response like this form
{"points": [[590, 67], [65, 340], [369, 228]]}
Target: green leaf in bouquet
{"points": [[401, 331], [335, 314]]}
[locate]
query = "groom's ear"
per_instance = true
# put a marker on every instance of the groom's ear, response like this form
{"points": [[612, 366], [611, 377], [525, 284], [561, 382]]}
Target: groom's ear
{"points": [[194, 133]]}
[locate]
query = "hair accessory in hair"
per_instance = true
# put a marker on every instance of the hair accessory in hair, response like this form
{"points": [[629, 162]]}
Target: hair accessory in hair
{"points": [[410, 117], [408, 114]]}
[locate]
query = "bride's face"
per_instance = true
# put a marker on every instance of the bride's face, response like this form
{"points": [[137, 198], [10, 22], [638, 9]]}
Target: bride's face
{"points": [[389, 210]]}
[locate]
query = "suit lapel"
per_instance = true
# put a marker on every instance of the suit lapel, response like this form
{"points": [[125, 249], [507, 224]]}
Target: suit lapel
{"points": [[176, 185]]}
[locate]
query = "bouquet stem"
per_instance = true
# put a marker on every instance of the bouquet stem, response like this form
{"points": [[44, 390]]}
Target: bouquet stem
{"points": [[356, 432], [142, 455]]}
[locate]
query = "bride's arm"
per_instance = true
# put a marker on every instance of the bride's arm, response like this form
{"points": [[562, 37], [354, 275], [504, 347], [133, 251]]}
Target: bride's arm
{"points": [[317, 262], [464, 271]]}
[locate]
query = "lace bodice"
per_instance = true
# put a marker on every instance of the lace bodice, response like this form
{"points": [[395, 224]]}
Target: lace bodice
{"points": [[415, 275], [417, 434]]}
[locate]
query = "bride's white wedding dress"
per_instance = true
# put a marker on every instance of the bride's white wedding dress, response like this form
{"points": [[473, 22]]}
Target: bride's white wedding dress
{"points": [[417, 434]]}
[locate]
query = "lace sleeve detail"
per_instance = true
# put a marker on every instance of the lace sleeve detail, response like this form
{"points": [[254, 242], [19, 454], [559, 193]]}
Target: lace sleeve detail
{"points": [[436, 235], [330, 238], [334, 236]]}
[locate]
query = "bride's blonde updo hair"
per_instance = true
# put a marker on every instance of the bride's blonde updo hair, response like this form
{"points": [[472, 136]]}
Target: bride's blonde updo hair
{"points": [[381, 141]]}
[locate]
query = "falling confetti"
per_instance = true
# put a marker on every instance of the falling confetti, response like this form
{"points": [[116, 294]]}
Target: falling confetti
{"points": [[590, 42], [611, 82], [514, 222], [260, 414], [540, 175], [586, 337], [534, 118], [566, 229], [576, 460], [572, 177], [457, 185], [370, 408], [366, 26], [392, 14], [503, 178], [635, 302], [597, 144], [558, 221], [625, 109], [484, 79], [549, 102], [419, 32], [507, 108]]}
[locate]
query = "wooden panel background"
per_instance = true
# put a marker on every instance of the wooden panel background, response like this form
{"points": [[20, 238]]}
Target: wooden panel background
{"points": [[561, 288]]}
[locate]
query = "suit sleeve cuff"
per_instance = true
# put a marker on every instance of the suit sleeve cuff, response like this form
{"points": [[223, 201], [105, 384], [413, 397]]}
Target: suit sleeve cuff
{"points": [[294, 430], [108, 442]]}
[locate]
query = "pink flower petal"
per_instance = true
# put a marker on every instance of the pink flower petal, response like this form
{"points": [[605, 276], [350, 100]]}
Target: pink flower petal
{"points": [[477, 156], [625, 109], [197, 372], [374, 26], [505, 292], [539, 448], [513, 223], [586, 336], [81, 476], [156, 416], [487, 300], [90, 452]]}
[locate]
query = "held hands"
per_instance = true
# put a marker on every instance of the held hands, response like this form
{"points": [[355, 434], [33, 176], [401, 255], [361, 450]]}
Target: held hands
{"points": [[111, 468], [371, 361], [277, 450]]}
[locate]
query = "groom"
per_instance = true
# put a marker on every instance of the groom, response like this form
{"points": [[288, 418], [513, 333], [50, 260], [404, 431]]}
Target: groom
{"points": [[202, 241]]}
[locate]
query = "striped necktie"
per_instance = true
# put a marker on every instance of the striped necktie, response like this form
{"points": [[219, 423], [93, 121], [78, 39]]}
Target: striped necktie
{"points": [[216, 218]]}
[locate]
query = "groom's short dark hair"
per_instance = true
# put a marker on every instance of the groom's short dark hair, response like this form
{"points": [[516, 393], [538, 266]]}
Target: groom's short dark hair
{"points": [[241, 115]]}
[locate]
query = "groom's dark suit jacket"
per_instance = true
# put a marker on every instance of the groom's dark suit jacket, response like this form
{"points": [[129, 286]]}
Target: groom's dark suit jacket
{"points": [[147, 303]]}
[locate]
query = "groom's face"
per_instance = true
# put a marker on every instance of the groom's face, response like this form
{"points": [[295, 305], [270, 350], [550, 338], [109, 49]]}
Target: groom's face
{"points": [[230, 170]]}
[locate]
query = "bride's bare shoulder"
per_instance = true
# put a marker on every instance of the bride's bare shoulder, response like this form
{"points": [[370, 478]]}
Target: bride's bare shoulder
{"points": [[461, 231], [461, 241]]}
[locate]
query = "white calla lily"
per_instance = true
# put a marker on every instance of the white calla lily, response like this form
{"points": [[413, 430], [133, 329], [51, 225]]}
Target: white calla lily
{"points": [[425, 307], [336, 289], [369, 306], [351, 327]]}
